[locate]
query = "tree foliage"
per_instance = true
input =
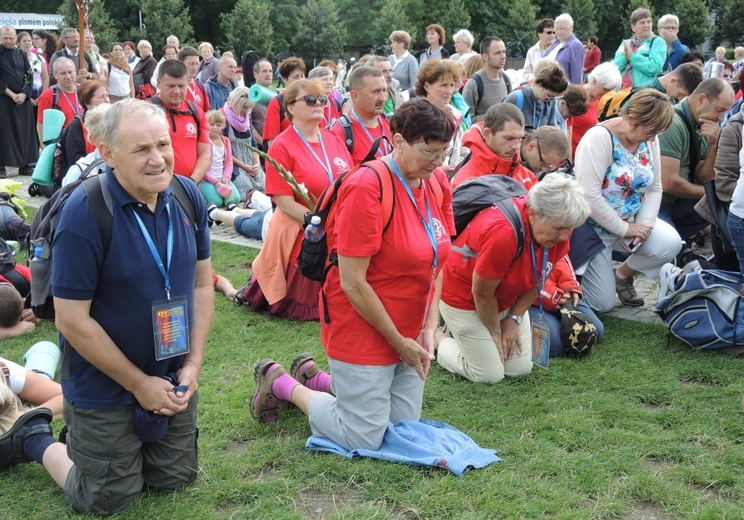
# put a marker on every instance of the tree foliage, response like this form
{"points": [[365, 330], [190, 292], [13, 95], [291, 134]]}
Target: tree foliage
{"points": [[248, 26], [392, 16], [99, 20], [163, 18], [321, 34]]}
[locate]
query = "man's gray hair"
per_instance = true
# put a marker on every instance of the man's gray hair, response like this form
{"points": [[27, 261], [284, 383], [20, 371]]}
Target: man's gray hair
{"points": [[59, 61], [376, 59], [464, 35], [667, 18], [111, 121], [560, 199], [606, 75], [565, 17], [66, 32]]}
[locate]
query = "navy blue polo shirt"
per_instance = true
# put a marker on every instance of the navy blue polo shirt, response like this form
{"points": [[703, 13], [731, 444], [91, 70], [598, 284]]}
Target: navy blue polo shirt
{"points": [[123, 286]]}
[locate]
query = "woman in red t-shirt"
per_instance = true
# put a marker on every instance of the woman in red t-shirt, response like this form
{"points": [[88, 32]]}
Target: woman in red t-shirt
{"points": [[315, 157], [381, 301], [486, 294], [603, 79]]}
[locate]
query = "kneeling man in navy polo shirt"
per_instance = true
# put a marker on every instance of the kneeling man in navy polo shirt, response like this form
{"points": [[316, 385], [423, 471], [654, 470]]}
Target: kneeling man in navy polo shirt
{"points": [[134, 321]]}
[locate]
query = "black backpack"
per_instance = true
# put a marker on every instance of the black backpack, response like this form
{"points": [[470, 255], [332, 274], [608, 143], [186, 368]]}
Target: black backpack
{"points": [[8, 271], [247, 61], [45, 221], [475, 195]]}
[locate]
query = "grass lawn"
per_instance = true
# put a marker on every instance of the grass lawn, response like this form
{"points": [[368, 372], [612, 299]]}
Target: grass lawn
{"points": [[639, 429]]}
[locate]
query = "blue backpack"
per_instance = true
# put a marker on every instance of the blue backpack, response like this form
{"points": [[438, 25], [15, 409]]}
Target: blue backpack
{"points": [[702, 307]]}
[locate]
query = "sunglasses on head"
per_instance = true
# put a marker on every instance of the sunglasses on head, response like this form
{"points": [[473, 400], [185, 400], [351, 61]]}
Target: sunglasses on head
{"points": [[311, 100]]}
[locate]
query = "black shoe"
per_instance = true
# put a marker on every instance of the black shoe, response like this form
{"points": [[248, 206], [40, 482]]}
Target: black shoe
{"points": [[34, 190], [3, 172], [25, 170], [211, 207], [11, 442]]}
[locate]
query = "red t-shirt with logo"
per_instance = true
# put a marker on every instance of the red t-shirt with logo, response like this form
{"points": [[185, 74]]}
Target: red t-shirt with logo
{"points": [[185, 136], [492, 237], [68, 103], [362, 141], [198, 94], [400, 267], [292, 153]]}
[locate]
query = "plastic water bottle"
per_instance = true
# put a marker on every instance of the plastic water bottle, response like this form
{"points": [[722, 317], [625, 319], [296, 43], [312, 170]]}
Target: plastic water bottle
{"points": [[38, 252], [314, 232]]}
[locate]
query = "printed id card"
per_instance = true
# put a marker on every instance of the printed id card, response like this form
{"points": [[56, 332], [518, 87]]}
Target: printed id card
{"points": [[170, 325], [540, 343]]}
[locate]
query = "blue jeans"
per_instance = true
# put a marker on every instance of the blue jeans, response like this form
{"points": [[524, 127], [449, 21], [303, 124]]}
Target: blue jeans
{"points": [[553, 321], [250, 226], [736, 229]]}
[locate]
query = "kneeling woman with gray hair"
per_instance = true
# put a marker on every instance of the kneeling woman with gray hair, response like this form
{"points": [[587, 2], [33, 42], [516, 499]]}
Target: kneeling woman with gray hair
{"points": [[486, 295]]}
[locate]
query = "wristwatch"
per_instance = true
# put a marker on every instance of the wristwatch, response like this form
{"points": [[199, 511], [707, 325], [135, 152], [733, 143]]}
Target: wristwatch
{"points": [[516, 318]]}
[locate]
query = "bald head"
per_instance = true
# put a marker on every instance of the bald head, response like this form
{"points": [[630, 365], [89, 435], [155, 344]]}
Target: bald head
{"points": [[8, 36]]}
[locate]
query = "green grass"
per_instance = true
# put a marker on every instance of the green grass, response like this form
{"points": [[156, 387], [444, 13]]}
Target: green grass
{"points": [[637, 429]]}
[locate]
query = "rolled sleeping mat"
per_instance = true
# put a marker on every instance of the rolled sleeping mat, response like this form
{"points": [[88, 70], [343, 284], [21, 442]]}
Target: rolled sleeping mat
{"points": [[54, 120], [261, 95]]}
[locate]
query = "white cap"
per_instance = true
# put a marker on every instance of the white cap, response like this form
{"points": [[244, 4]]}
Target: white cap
{"points": [[315, 220]]}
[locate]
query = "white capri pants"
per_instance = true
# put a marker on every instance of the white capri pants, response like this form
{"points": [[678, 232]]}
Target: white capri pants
{"points": [[471, 352], [598, 283]]}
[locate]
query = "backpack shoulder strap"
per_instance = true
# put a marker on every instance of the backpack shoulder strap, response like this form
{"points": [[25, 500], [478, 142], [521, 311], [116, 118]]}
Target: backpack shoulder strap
{"points": [[91, 168], [387, 190], [99, 198], [693, 147], [192, 109], [55, 96], [280, 99], [507, 82], [16, 279], [345, 123], [478, 83], [512, 215], [520, 99], [183, 199], [437, 190]]}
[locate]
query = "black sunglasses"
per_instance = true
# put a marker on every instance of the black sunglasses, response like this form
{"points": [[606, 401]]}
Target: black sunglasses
{"points": [[311, 100]]}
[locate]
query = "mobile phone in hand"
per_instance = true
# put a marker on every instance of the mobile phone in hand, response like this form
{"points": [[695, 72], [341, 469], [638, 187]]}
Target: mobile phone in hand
{"points": [[634, 244]]}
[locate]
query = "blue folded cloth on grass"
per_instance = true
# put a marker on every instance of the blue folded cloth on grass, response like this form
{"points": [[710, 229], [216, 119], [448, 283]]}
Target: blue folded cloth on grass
{"points": [[419, 443]]}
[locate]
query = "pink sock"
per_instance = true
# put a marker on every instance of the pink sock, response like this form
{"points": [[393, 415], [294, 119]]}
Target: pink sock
{"points": [[320, 382], [282, 387]]}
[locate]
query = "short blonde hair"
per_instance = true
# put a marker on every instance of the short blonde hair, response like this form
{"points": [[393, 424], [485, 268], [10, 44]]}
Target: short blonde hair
{"points": [[204, 44], [144, 43], [239, 100], [401, 37], [650, 109], [738, 53]]}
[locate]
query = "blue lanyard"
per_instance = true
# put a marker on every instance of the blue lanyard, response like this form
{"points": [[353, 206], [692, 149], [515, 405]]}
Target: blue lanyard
{"points": [[154, 251], [427, 222], [536, 122], [327, 166], [538, 282], [383, 143]]}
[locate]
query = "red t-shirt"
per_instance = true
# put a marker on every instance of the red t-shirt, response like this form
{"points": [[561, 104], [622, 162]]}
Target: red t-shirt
{"points": [[197, 93], [185, 136], [492, 237], [290, 151], [272, 125], [331, 113], [362, 141], [583, 123], [68, 103], [400, 268]]}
